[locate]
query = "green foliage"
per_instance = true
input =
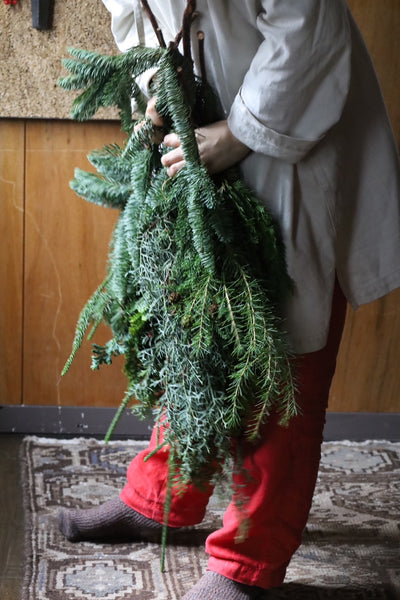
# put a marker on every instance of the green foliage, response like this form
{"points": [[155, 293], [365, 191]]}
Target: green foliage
{"points": [[196, 271], [106, 81]]}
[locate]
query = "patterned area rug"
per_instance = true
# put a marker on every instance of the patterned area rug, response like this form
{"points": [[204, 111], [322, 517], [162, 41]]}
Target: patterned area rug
{"points": [[351, 548]]}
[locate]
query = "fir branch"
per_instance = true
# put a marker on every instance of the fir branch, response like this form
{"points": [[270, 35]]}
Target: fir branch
{"points": [[202, 239], [91, 312], [179, 99], [119, 265], [112, 162], [99, 191], [127, 399], [106, 81], [196, 271], [172, 463], [201, 297], [234, 327]]}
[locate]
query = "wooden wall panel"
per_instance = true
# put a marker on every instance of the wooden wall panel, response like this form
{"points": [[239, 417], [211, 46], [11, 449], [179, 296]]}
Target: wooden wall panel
{"points": [[368, 375], [66, 251], [379, 21], [11, 258], [368, 378]]}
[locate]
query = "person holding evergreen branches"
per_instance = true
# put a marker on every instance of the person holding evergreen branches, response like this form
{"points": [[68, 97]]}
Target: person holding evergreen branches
{"points": [[303, 116]]}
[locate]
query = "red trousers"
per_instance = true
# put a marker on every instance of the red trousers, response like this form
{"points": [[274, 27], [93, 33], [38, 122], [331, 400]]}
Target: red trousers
{"points": [[281, 472]]}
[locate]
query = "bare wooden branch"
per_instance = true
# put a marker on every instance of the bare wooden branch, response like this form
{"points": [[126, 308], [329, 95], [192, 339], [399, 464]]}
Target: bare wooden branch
{"points": [[177, 39], [188, 17], [203, 72], [154, 23]]}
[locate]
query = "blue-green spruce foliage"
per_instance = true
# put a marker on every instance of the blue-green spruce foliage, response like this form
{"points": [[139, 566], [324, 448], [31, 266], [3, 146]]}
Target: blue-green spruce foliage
{"points": [[196, 272]]}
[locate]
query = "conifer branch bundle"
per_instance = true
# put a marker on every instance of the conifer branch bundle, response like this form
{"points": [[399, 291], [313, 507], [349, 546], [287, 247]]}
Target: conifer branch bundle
{"points": [[196, 271]]}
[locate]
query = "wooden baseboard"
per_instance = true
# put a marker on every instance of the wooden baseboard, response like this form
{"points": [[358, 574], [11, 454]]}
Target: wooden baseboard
{"points": [[90, 421], [358, 427]]}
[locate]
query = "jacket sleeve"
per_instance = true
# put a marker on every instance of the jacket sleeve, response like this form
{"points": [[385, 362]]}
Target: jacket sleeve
{"points": [[130, 28], [297, 83], [129, 25]]}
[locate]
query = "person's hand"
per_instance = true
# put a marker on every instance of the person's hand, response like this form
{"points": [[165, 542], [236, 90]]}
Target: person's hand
{"points": [[155, 118], [219, 149], [152, 114]]}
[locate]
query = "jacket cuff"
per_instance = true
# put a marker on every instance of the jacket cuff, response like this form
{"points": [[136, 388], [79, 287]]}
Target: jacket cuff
{"points": [[144, 81], [261, 138]]}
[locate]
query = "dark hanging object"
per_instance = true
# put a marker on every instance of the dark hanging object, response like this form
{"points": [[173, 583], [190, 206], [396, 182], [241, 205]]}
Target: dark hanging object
{"points": [[42, 14]]}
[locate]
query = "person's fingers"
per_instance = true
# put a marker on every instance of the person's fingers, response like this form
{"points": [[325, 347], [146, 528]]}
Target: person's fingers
{"points": [[172, 157], [218, 148], [173, 160], [173, 169], [155, 138], [152, 114], [172, 140], [137, 127]]}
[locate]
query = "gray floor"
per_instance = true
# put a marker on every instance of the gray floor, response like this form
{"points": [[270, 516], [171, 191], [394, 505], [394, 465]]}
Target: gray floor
{"points": [[11, 518]]}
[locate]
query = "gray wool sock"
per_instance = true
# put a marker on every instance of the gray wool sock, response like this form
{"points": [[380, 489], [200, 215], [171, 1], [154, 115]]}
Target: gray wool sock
{"points": [[112, 520], [213, 586]]}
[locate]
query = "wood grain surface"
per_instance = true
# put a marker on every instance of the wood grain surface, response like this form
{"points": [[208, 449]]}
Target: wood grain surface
{"points": [[66, 248], [12, 135], [368, 374]]}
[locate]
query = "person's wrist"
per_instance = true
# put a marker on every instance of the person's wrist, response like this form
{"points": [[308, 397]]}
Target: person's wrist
{"points": [[239, 149]]}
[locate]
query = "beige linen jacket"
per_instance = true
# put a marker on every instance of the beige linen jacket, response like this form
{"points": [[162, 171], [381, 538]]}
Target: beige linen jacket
{"points": [[297, 86]]}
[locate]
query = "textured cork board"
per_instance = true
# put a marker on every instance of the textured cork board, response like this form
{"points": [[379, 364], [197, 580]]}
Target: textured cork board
{"points": [[30, 59]]}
